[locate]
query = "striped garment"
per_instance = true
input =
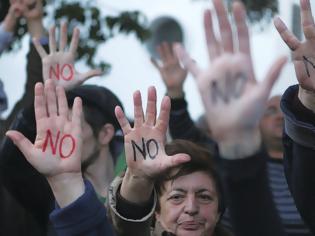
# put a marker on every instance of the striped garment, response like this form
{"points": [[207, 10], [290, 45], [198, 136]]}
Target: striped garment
{"points": [[289, 215]]}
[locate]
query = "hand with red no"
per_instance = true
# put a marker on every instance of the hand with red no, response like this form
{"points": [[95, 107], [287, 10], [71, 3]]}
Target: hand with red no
{"points": [[58, 65], [56, 152], [172, 73], [144, 147], [234, 101], [303, 53]]}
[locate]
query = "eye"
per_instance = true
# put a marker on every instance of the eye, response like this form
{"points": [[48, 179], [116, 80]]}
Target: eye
{"points": [[205, 198], [176, 198]]}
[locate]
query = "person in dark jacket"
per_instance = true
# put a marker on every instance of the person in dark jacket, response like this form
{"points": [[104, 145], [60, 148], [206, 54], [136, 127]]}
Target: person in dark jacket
{"points": [[298, 107], [61, 136]]}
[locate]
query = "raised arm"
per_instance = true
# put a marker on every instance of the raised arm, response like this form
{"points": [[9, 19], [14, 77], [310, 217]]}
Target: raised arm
{"points": [[234, 102], [145, 158], [298, 105]]}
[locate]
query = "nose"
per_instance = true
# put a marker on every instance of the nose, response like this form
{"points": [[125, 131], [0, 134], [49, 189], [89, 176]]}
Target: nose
{"points": [[191, 206]]}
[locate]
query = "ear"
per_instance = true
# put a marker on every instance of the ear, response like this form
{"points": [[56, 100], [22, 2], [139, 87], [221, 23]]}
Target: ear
{"points": [[106, 134]]}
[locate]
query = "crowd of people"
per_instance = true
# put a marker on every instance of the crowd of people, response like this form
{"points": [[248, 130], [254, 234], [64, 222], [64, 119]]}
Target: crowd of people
{"points": [[72, 162]]}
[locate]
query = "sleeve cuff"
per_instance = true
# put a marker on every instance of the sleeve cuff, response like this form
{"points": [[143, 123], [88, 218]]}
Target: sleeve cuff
{"points": [[80, 215], [298, 123]]}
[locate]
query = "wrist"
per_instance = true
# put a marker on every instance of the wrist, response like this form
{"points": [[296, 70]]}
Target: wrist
{"points": [[307, 98], [242, 145], [36, 28], [136, 189], [67, 187], [175, 93]]}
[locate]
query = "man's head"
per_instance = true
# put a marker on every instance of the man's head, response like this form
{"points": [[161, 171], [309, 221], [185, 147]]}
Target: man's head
{"points": [[271, 124], [100, 126]]}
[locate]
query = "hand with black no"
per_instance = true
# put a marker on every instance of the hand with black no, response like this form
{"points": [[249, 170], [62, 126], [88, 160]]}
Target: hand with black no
{"points": [[58, 65], [303, 53], [56, 152], [234, 101], [144, 146], [172, 73]]}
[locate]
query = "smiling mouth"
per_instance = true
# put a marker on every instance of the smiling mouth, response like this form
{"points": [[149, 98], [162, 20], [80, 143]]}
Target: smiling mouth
{"points": [[32, 5]]}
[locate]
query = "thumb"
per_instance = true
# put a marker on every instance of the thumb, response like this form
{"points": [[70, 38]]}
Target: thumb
{"points": [[186, 60], [177, 159], [90, 74], [24, 145], [273, 74]]}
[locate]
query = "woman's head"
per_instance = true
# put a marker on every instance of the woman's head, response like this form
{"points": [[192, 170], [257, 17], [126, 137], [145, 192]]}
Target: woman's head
{"points": [[190, 195]]}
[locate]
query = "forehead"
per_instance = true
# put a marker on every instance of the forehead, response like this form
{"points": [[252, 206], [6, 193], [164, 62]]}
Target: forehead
{"points": [[191, 183]]}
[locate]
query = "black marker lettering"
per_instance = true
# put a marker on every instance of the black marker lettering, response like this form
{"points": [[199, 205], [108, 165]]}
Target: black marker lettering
{"points": [[142, 151], [306, 62], [156, 148]]}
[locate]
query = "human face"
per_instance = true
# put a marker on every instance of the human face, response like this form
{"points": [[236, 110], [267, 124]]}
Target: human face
{"points": [[189, 205], [271, 124]]}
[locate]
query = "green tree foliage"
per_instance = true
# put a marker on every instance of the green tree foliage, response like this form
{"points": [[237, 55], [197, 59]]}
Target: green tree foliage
{"points": [[96, 28]]}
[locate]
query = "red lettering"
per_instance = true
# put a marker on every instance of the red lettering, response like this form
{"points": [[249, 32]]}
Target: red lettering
{"points": [[60, 146], [52, 145], [66, 71], [63, 72], [55, 72]]}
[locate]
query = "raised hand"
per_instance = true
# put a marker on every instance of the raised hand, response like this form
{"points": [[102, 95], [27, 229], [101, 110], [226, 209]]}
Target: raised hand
{"points": [[233, 99], [58, 65], [144, 143], [56, 152], [144, 147], [57, 146], [303, 53], [172, 73]]}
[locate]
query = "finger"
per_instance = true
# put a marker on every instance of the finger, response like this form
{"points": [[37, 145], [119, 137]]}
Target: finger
{"points": [[52, 39], [175, 160], [39, 102], [77, 116], [63, 108], [307, 19], [212, 43], [286, 35], [75, 40], [303, 75], [150, 114], [90, 74], [273, 75], [122, 120], [51, 99], [242, 29], [63, 37], [155, 63], [39, 48], [225, 27], [186, 60], [23, 144], [138, 111], [164, 116]]}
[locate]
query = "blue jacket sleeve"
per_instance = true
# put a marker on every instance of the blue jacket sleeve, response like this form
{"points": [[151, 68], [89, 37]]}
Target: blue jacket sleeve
{"points": [[86, 216], [299, 154]]}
